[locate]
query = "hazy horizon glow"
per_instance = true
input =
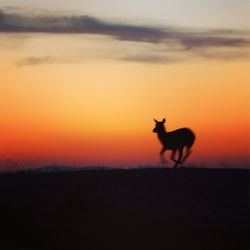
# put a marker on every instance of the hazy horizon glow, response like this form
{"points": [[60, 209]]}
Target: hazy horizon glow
{"points": [[84, 90]]}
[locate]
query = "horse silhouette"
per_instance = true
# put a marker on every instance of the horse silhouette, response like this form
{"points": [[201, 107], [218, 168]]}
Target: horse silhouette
{"points": [[175, 141]]}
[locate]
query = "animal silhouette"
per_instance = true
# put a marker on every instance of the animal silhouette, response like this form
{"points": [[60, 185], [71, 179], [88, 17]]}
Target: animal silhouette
{"points": [[175, 141]]}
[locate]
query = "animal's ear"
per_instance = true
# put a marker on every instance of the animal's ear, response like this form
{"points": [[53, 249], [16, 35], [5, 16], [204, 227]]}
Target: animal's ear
{"points": [[164, 120], [155, 120]]}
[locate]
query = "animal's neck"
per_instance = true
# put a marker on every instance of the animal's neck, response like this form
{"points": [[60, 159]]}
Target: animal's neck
{"points": [[161, 134]]}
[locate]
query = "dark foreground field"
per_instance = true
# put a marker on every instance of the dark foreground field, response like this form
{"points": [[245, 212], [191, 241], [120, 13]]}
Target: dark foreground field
{"points": [[131, 209]]}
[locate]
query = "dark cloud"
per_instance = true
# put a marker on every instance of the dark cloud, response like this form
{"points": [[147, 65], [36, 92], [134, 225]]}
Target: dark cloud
{"points": [[34, 61], [177, 43], [15, 22], [200, 41], [156, 59]]}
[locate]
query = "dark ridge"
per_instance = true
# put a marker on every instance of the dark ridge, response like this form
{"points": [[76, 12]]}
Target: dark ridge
{"points": [[125, 209]]}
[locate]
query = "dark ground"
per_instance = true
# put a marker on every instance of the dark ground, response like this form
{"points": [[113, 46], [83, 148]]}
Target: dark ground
{"points": [[130, 209]]}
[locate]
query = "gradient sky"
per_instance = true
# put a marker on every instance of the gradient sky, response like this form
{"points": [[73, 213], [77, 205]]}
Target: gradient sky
{"points": [[81, 81]]}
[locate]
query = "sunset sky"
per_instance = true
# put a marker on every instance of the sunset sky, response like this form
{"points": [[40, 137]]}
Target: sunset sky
{"points": [[82, 80]]}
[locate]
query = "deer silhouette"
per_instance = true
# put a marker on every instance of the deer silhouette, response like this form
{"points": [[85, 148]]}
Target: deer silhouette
{"points": [[175, 141]]}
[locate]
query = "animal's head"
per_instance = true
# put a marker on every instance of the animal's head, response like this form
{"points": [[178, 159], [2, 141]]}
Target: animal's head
{"points": [[159, 126]]}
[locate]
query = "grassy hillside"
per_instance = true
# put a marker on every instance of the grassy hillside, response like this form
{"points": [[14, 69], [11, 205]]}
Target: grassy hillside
{"points": [[125, 209]]}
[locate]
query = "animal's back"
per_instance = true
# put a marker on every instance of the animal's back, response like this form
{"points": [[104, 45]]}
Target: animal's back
{"points": [[180, 138]]}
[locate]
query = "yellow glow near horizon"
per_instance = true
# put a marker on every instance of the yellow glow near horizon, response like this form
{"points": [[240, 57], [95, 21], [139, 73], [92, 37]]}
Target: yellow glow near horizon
{"points": [[100, 111]]}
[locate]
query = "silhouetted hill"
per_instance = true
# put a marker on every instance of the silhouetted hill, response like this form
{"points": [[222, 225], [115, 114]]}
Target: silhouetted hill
{"points": [[125, 209], [61, 169]]}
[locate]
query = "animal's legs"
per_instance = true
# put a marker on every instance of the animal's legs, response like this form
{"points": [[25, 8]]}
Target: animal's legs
{"points": [[188, 152], [173, 155], [163, 160], [179, 158]]}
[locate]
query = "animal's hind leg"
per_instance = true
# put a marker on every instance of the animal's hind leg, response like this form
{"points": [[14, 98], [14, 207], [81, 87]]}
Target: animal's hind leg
{"points": [[179, 158], [188, 152]]}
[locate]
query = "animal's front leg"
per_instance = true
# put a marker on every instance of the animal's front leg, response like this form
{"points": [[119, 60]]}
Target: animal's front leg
{"points": [[173, 155], [179, 158], [163, 160]]}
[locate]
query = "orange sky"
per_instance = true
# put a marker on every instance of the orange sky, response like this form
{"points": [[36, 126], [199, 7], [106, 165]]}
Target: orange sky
{"points": [[90, 99], [101, 113]]}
